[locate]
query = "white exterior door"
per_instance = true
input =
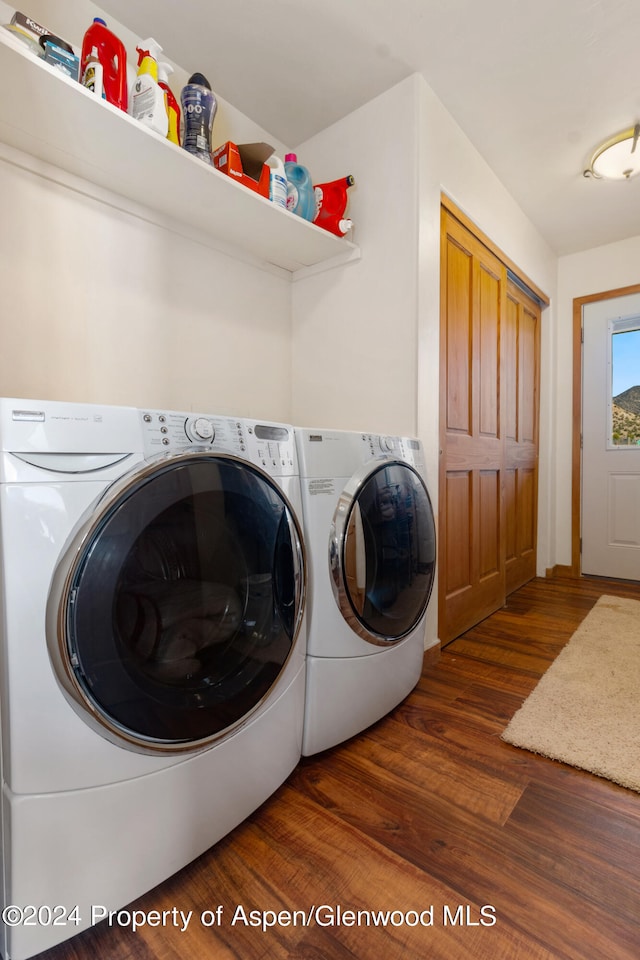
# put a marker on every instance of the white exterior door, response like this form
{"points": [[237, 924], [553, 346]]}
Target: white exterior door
{"points": [[611, 438]]}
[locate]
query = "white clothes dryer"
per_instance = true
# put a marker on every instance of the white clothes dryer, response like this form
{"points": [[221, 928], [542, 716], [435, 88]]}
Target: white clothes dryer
{"points": [[370, 536], [152, 649]]}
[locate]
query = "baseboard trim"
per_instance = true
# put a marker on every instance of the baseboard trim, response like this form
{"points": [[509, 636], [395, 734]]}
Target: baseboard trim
{"points": [[560, 570], [432, 655]]}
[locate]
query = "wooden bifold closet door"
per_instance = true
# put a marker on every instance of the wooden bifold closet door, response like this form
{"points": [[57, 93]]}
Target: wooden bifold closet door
{"points": [[489, 369]]}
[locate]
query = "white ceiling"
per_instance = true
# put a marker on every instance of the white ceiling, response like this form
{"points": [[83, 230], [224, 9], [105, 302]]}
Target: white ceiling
{"points": [[536, 86]]}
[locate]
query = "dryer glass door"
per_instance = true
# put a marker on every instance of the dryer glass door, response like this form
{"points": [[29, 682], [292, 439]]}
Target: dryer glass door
{"points": [[383, 553], [180, 603]]}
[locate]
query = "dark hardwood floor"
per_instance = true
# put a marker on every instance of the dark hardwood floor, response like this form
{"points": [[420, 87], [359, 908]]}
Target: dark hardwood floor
{"points": [[475, 848]]}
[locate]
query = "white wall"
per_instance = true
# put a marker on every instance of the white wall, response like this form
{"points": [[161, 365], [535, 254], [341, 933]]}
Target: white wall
{"points": [[355, 327], [104, 301], [102, 305], [366, 335], [580, 275]]}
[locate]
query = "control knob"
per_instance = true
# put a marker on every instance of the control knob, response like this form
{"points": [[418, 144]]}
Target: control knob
{"points": [[201, 429]]}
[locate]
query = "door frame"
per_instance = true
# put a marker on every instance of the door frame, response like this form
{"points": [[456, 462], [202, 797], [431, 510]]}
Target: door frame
{"points": [[575, 568]]}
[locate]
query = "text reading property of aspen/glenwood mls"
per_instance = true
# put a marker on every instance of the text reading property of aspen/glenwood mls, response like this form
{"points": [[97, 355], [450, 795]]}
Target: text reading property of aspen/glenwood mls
{"points": [[325, 915]]}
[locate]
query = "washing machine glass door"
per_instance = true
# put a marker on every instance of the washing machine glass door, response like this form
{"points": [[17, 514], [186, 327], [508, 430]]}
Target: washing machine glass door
{"points": [[382, 552], [178, 604]]}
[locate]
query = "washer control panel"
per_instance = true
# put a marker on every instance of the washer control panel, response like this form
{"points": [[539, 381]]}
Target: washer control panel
{"points": [[272, 446], [402, 448], [267, 445]]}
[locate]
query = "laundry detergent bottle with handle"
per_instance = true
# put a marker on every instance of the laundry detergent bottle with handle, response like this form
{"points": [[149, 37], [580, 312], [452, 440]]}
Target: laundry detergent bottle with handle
{"points": [[199, 108], [99, 42], [331, 204], [147, 100], [300, 196]]}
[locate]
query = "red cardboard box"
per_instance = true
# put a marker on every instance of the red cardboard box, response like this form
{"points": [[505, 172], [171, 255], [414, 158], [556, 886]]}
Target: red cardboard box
{"points": [[245, 163]]}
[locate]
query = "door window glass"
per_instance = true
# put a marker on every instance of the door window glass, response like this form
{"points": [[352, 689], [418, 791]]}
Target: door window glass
{"points": [[389, 552], [624, 419], [183, 607]]}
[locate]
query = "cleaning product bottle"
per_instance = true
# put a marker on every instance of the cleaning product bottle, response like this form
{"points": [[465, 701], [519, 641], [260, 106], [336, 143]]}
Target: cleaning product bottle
{"points": [[173, 110], [93, 74], [147, 101], [199, 108], [300, 197], [112, 55], [277, 182], [331, 203]]}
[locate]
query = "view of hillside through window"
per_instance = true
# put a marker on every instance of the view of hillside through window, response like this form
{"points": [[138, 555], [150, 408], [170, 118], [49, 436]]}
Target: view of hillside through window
{"points": [[625, 388]]}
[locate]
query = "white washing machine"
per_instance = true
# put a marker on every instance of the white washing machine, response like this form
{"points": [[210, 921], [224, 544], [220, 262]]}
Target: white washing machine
{"points": [[152, 649], [370, 537]]}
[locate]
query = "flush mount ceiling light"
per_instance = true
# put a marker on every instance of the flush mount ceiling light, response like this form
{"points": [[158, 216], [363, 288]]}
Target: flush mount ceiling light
{"points": [[617, 158]]}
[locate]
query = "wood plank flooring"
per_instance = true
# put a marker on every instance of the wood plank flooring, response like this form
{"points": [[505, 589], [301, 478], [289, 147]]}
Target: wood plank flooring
{"points": [[473, 848]]}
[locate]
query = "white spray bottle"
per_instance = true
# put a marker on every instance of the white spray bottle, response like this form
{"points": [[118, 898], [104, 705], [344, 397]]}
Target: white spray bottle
{"points": [[147, 99]]}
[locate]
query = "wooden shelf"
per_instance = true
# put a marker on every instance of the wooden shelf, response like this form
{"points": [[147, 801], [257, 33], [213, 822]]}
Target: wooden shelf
{"points": [[51, 117]]}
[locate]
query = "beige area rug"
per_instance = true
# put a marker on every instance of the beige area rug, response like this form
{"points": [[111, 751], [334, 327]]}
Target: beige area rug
{"points": [[585, 710]]}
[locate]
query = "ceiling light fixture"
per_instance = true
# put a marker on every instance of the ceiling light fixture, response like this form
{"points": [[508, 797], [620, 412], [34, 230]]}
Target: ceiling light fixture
{"points": [[617, 158]]}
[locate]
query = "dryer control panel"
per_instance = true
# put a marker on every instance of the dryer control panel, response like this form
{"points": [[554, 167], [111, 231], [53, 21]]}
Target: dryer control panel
{"points": [[338, 453], [270, 446]]}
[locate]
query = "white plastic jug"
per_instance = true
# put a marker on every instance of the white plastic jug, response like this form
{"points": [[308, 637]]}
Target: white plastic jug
{"points": [[277, 182]]}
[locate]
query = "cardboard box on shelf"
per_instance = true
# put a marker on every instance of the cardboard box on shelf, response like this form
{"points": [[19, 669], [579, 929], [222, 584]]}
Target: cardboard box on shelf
{"points": [[60, 58], [24, 33], [245, 162], [27, 25]]}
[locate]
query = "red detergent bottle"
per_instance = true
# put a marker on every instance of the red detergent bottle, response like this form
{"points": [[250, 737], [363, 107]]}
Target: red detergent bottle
{"points": [[113, 57], [331, 204]]}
